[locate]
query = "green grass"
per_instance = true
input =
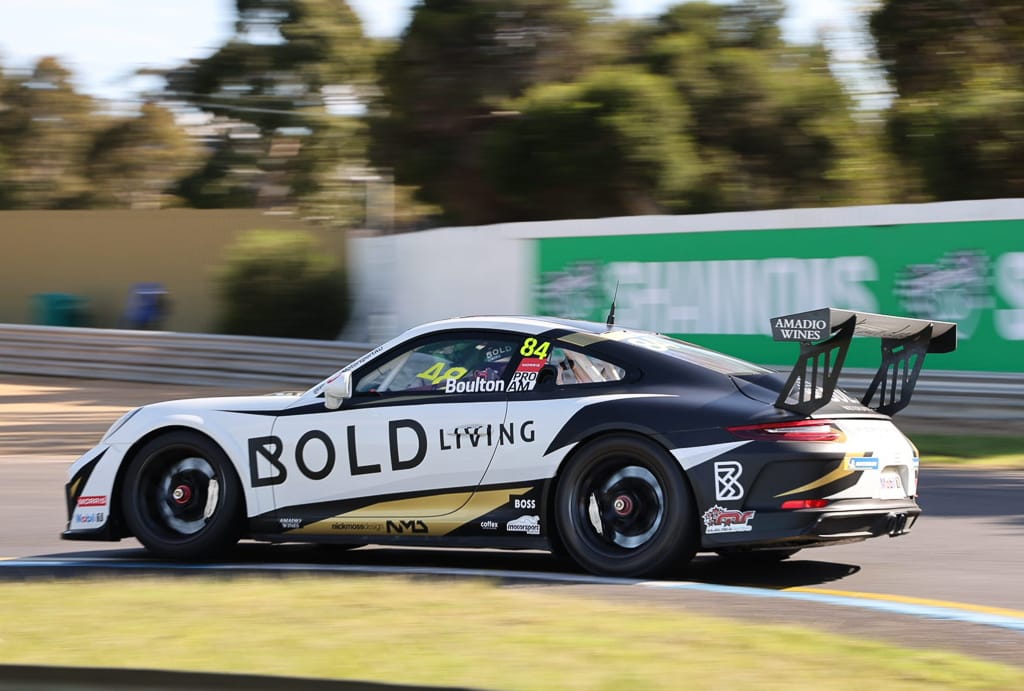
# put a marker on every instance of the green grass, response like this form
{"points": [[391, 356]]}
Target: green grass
{"points": [[452, 634], [970, 451]]}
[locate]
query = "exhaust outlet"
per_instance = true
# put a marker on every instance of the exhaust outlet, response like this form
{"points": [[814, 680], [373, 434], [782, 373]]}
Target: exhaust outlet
{"points": [[897, 524]]}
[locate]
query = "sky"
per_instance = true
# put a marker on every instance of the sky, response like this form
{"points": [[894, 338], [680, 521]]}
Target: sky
{"points": [[104, 41]]}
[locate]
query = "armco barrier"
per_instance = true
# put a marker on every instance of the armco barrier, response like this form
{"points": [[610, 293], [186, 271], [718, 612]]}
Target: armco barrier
{"points": [[173, 358], [247, 362]]}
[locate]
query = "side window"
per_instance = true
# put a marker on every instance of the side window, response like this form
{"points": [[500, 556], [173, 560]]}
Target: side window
{"points": [[441, 365], [574, 367]]}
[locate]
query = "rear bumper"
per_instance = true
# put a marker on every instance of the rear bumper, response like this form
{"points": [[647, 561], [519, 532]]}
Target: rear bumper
{"points": [[848, 520], [838, 523]]}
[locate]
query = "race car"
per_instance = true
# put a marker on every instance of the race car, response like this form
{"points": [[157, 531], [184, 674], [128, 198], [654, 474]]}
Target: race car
{"points": [[626, 450]]}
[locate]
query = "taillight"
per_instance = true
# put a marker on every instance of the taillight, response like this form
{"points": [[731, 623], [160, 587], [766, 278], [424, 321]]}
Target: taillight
{"points": [[792, 504], [797, 430]]}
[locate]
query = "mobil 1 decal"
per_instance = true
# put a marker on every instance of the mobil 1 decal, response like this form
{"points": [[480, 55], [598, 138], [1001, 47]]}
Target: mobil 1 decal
{"points": [[534, 356], [374, 448]]}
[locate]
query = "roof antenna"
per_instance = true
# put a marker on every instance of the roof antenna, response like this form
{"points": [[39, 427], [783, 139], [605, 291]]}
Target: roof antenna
{"points": [[611, 312]]}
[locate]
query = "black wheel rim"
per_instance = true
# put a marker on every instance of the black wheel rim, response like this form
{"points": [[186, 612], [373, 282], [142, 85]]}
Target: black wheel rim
{"points": [[619, 506], [178, 493]]}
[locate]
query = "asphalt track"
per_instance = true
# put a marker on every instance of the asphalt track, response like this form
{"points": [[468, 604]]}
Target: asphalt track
{"points": [[954, 582]]}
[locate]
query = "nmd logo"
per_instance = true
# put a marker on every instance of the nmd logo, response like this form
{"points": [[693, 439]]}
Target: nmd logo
{"points": [[727, 481]]}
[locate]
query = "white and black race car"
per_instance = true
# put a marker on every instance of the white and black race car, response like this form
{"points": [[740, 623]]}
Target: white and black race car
{"points": [[627, 450]]}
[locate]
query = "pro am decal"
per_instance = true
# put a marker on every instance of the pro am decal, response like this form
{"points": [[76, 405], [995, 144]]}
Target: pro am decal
{"points": [[525, 376], [721, 520]]}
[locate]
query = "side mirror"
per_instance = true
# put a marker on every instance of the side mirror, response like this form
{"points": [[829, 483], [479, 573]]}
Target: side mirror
{"points": [[337, 390]]}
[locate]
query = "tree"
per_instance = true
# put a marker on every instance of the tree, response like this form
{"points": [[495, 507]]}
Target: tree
{"points": [[773, 127], [958, 71], [272, 86], [449, 81], [281, 283], [136, 160], [45, 130], [610, 144]]}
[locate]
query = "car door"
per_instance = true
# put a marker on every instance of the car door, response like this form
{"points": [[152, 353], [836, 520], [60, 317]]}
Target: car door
{"points": [[412, 443], [549, 385]]}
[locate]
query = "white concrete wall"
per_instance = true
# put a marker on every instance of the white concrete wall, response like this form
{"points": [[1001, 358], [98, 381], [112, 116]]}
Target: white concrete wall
{"points": [[402, 280], [399, 281]]}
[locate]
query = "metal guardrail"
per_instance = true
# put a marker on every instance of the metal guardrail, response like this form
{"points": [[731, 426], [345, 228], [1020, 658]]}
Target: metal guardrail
{"points": [[976, 396], [171, 358], [246, 361]]}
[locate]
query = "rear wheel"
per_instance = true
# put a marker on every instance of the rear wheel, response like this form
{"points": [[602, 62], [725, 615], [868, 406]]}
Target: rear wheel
{"points": [[624, 508], [182, 498]]}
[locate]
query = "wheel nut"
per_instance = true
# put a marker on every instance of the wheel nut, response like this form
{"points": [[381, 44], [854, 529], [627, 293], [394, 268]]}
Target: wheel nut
{"points": [[182, 494]]}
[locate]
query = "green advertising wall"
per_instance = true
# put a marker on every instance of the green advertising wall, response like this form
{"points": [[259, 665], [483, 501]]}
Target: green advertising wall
{"points": [[720, 289]]}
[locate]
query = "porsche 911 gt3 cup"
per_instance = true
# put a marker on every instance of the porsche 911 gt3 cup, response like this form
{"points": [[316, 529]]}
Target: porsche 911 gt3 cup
{"points": [[629, 451]]}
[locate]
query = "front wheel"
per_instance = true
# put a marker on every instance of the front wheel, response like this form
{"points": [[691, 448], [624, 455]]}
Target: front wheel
{"points": [[182, 498], [624, 508]]}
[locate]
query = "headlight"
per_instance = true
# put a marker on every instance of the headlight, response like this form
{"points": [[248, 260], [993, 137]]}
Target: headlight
{"points": [[120, 422]]}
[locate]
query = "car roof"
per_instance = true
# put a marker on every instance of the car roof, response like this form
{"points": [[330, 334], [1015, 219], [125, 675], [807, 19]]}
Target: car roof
{"points": [[522, 324]]}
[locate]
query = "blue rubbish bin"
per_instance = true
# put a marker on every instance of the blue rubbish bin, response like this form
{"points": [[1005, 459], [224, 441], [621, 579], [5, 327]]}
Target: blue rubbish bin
{"points": [[147, 306], [59, 309]]}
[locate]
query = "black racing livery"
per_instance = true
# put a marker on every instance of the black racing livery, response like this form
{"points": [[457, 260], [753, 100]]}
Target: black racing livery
{"points": [[628, 451]]}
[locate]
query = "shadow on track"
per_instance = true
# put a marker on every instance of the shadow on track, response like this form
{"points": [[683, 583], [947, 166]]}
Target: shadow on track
{"points": [[255, 558]]}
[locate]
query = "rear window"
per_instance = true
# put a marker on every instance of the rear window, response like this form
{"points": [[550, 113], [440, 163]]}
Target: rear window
{"points": [[694, 354]]}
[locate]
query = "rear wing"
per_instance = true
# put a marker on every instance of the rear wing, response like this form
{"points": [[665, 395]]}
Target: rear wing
{"points": [[824, 336]]}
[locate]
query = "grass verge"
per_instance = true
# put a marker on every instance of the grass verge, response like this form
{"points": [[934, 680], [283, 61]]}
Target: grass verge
{"points": [[458, 634], [970, 451]]}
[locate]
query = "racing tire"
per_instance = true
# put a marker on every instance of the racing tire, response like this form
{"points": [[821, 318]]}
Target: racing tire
{"points": [[182, 498], [623, 507]]}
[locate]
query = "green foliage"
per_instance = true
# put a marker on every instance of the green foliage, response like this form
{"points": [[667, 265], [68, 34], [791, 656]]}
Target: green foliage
{"points": [[958, 70], [136, 160], [280, 283], [772, 125], [498, 110], [448, 81], [45, 132], [610, 144], [273, 84]]}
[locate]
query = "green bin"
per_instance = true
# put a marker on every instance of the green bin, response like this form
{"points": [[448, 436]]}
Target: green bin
{"points": [[59, 309]]}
